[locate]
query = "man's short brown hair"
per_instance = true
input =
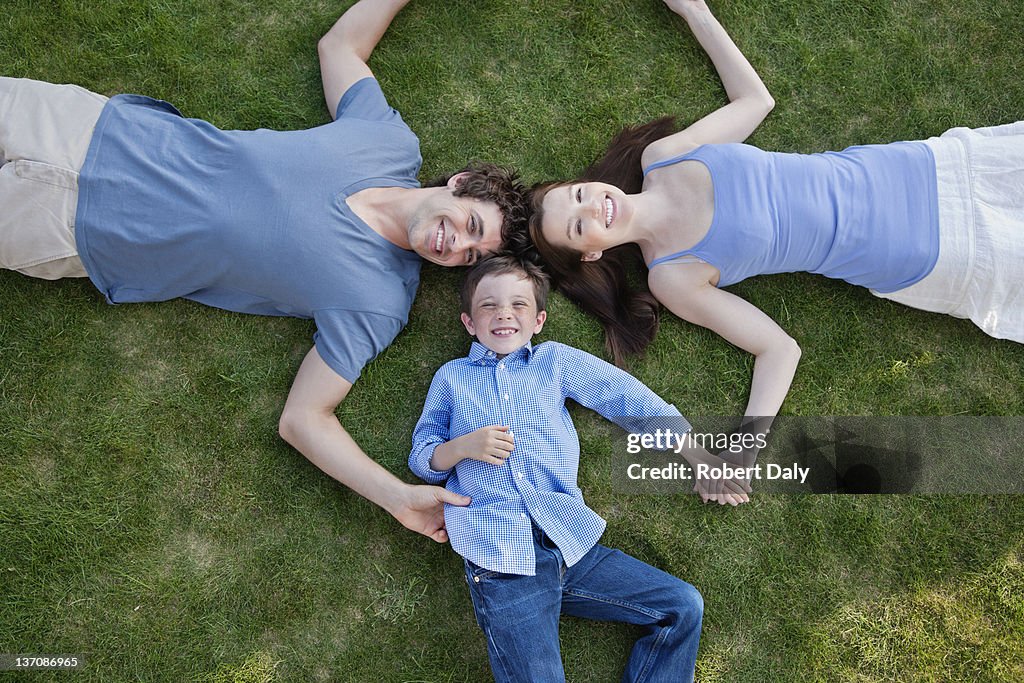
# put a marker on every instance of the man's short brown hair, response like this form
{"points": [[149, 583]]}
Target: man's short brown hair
{"points": [[492, 183]]}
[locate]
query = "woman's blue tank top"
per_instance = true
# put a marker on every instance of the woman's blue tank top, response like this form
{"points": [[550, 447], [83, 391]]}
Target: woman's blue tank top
{"points": [[867, 215]]}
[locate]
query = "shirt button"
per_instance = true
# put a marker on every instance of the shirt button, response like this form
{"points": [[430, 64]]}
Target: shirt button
{"points": [[476, 579], [523, 515], [501, 366], [505, 397], [519, 474]]}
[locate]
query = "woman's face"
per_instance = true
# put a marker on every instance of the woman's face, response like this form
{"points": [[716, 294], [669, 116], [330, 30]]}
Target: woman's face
{"points": [[586, 218]]}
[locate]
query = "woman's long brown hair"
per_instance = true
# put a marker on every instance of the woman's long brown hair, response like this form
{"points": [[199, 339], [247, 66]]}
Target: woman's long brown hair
{"points": [[627, 312]]}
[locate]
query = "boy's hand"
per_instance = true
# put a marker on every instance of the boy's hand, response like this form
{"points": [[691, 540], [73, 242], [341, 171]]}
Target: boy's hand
{"points": [[732, 489], [491, 444], [722, 491]]}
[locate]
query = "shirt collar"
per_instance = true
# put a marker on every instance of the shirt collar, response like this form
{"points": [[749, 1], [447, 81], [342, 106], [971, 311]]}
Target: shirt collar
{"points": [[478, 353]]}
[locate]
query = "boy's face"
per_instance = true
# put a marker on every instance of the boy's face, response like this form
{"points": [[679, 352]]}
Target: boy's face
{"points": [[504, 315]]}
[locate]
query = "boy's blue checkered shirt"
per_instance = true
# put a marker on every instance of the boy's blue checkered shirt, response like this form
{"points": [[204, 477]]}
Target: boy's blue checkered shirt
{"points": [[526, 390]]}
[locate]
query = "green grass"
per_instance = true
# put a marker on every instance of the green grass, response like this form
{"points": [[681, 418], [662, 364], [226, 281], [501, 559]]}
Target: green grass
{"points": [[151, 519]]}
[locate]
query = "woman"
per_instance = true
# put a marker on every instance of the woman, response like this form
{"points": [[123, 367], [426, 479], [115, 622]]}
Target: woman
{"points": [[704, 212]]}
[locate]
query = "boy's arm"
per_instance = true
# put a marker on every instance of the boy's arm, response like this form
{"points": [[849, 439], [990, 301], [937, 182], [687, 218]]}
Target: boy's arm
{"points": [[629, 403], [345, 49], [491, 444], [432, 430], [614, 393], [434, 453]]}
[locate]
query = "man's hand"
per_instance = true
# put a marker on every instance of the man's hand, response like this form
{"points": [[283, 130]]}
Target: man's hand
{"points": [[422, 510], [491, 444]]}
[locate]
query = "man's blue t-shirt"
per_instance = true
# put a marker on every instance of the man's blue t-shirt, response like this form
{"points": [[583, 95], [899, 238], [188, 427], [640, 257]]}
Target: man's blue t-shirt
{"points": [[253, 221]]}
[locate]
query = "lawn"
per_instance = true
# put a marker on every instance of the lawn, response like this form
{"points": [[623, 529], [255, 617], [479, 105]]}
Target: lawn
{"points": [[152, 520]]}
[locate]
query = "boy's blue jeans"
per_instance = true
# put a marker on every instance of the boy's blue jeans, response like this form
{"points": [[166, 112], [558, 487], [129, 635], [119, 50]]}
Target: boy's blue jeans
{"points": [[519, 614]]}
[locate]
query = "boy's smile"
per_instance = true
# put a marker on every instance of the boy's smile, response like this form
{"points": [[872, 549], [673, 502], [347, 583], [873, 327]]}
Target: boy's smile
{"points": [[504, 314]]}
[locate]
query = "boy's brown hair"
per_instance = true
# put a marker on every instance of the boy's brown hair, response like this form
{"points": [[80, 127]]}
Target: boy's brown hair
{"points": [[500, 265]]}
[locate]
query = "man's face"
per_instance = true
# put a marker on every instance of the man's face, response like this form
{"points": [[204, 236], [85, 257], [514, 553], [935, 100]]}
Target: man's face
{"points": [[455, 231], [504, 315]]}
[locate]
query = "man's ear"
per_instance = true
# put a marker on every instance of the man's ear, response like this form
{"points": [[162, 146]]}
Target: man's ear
{"points": [[468, 322], [591, 256], [453, 182]]}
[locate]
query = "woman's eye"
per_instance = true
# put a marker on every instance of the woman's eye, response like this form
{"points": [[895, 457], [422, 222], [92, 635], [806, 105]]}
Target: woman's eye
{"points": [[579, 227], [579, 194]]}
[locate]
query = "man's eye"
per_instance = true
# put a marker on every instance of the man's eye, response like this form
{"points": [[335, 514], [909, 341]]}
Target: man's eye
{"points": [[472, 225]]}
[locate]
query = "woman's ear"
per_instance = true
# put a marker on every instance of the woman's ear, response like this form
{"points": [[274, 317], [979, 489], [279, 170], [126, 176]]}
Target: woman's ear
{"points": [[591, 256]]}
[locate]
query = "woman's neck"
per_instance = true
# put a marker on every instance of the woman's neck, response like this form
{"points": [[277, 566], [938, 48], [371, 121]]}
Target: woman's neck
{"points": [[675, 209]]}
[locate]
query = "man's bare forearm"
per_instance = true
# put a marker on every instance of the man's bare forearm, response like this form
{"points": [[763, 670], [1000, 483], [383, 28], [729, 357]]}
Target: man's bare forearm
{"points": [[363, 25], [322, 439]]}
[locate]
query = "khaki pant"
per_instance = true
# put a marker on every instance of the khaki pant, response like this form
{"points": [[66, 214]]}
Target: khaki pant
{"points": [[45, 131]]}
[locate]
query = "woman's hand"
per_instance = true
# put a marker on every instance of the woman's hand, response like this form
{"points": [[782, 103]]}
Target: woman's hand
{"points": [[716, 480]]}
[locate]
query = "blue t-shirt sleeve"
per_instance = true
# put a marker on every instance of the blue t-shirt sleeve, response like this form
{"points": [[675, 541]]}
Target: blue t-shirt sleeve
{"points": [[348, 340], [365, 100]]}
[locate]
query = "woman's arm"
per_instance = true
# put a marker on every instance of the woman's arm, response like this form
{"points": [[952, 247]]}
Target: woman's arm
{"points": [[749, 99], [685, 290]]}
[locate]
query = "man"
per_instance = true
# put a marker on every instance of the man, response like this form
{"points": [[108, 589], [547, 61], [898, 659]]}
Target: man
{"points": [[327, 223]]}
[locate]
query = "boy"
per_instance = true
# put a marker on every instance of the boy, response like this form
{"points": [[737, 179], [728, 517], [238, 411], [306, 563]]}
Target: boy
{"points": [[496, 427]]}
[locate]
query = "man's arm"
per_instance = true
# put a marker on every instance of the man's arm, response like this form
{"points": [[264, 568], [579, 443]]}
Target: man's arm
{"points": [[309, 424], [345, 49]]}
